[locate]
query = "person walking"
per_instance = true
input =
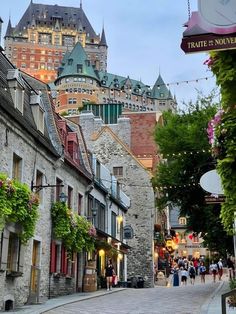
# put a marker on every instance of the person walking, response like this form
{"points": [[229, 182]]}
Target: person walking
{"points": [[220, 268], [213, 270], [176, 277], [202, 271], [109, 274], [230, 266], [192, 273], [184, 276]]}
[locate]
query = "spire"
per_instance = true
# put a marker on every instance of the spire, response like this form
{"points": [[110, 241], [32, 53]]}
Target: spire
{"points": [[81, 4], [103, 41], [9, 29]]}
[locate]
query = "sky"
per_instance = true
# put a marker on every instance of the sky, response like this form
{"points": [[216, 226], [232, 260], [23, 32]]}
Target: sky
{"points": [[144, 40]]}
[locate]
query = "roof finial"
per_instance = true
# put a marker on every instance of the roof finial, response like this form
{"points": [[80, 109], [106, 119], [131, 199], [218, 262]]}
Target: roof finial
{"points": [[80, 4]]}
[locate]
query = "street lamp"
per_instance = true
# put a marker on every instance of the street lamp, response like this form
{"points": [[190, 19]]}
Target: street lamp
{"points": [[63, 197]]}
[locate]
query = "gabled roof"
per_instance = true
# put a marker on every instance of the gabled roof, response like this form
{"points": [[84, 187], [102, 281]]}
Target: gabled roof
{"points": [[46, 13], [159, 90], [108, 130], [76, 58]]}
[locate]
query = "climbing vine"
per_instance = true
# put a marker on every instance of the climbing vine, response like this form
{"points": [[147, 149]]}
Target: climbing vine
{"points": [[223, 65], [75, 231], [18, 204]]}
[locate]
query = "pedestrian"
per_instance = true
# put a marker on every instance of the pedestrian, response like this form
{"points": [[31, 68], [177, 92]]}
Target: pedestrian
{"points": [[213, 270], [220, 268], [202, 271], [109, 274], [176, 277], [184, 276], [230, 266], [195, 264], [192, 273]]}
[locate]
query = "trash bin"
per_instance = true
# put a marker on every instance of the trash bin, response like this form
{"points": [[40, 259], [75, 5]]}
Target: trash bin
{"points": [[140, 282]]}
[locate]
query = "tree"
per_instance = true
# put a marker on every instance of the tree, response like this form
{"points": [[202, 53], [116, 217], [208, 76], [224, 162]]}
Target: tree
{"points": [[223, 65], [183, 142]]}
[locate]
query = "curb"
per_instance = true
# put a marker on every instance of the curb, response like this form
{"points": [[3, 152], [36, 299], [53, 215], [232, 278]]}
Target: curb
{"points": [[205, 307], [82, 299]]}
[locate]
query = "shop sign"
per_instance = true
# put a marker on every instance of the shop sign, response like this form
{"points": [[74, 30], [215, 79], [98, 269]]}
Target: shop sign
{"points": [[208, 42], [128, 232]]}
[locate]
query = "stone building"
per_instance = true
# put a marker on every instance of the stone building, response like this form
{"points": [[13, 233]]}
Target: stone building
{"points": [[45, 33], [136, 183]]}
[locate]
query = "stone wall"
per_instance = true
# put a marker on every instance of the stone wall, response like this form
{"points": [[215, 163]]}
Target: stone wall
{"points": [[137, 185]]}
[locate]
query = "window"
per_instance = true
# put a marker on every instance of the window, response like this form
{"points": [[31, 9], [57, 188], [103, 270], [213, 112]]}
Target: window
{"points": [[98, 169], [80, 203], [13, 254], [182, 221], [118, 171], [68, 40], [39, 182], [113, 224], [70, 196], [17, 167], [58, 189], [44, 38], [90, 206], [79, 68], [101, 217]]}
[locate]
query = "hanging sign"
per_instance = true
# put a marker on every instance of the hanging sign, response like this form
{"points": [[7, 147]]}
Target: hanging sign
{"points": [[212, 27]]}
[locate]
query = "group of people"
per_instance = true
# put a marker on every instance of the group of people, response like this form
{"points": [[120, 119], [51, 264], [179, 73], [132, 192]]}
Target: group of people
{"points": [[184, 269]]}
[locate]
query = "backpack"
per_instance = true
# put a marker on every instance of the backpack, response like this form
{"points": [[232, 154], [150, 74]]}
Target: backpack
{"points": [[192, 270]]}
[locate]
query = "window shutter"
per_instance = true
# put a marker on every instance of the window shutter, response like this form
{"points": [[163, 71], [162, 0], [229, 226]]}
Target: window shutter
{"points": [[21, 257], [53, 257], [5, 244]]}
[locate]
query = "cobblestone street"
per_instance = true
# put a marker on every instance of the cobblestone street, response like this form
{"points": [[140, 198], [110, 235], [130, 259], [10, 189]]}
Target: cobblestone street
{"points": [[164, 300]]}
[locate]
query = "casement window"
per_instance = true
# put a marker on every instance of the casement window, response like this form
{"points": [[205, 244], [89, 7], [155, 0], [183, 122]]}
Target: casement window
{"points": [[17, 167], [101, 217], [113, 224], [12, 254]]}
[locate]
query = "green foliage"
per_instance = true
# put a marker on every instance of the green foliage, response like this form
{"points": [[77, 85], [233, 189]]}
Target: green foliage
{"points": [[19, 205], [223, 65], [186, 156], [74, 230]]}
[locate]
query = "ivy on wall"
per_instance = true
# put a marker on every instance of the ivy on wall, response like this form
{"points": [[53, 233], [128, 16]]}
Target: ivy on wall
{"points": [[75, 231], [19, 205], [223, 65]]}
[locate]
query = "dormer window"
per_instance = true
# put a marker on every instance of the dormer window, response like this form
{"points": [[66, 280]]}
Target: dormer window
{"points": [[16, 85], [70, 61], [79, 68], [38, 112]]}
